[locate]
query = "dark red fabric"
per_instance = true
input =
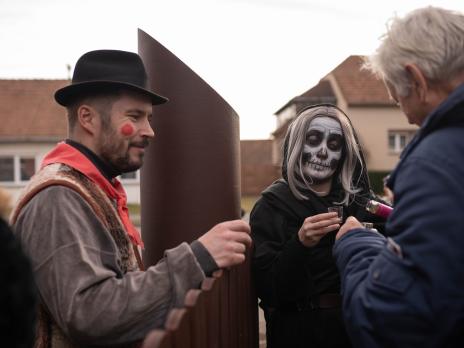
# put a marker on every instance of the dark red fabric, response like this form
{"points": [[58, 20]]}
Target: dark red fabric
{"points": [[66, 154]]}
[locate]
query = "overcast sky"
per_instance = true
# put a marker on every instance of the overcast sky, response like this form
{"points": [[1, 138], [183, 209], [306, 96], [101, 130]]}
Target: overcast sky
{"points": [[257, 54]]}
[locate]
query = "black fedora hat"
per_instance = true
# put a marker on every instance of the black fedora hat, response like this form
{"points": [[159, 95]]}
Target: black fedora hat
{"points": [[104, 70]]}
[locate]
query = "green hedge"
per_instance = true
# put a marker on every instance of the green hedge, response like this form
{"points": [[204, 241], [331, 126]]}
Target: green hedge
{"points": [[376, 179]]}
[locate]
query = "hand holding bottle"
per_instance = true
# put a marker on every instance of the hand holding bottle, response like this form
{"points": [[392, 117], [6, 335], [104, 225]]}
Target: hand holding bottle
{"points": [[350, 223]]}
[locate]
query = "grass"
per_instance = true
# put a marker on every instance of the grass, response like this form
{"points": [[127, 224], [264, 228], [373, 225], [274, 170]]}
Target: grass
{"points": [[134, 209], [247, 202]]}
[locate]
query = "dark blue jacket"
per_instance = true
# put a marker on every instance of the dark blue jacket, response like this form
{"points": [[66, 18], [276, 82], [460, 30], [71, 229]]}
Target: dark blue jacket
{"points": [[412, 295]]}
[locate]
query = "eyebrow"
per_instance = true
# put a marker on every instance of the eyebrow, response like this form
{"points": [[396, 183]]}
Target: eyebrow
{"points": [[139, 112]]}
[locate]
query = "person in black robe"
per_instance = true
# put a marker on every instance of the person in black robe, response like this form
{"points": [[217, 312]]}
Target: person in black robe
{"points": [[293, 233]]}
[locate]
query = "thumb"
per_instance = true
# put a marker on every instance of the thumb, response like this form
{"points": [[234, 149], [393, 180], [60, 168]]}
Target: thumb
{"points": [[351, 219]]}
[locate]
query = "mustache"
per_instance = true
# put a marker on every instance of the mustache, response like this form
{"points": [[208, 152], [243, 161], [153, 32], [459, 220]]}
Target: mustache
{"points": [[143, 143]]}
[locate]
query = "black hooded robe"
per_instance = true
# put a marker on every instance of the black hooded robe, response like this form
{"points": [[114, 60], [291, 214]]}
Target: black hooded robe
{"points": [[291, 278]]}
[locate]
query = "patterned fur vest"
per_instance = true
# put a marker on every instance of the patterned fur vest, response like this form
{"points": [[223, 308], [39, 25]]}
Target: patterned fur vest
{"points": [[49, 334]]}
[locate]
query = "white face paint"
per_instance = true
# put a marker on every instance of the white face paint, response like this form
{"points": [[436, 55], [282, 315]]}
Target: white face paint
{"points": [[323, 148]]}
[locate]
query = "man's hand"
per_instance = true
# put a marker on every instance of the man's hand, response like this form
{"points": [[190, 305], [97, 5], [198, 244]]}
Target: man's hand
{"points": [[227, 242], [349, 224], [317, 226]]}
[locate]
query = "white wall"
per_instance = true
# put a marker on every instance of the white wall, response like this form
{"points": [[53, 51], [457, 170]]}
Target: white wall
{"points": [[38, 150], [372, 126]]}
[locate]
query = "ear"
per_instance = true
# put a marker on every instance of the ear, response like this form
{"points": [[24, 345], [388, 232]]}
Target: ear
{"points": [[87, 118], [419, 84]]}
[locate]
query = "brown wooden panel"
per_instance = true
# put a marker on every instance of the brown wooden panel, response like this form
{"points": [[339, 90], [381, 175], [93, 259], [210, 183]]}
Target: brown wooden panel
{"points": [[211, 288], [191, 177], [158, 339], [224, 311], [251, 305], [178, 324], [195, 302]]}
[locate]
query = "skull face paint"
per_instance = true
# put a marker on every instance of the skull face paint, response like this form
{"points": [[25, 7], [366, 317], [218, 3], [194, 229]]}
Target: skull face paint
{"points": [[127, 129], [323, 149]]}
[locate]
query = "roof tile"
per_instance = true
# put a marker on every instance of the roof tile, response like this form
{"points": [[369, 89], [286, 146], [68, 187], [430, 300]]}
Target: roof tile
{"points": [[358, 86], [28, 110]]}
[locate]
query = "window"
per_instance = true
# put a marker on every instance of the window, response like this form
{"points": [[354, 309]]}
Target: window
{"points": [[397, 140], [131, 176], [26, 168], [7, 169], [16, 169]]}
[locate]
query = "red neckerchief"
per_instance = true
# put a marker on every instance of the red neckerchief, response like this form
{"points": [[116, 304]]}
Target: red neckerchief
{"points": [[67, 154]]}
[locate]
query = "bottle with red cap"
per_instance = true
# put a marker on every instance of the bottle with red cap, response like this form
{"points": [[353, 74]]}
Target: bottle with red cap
{"points": [[378, 209]]}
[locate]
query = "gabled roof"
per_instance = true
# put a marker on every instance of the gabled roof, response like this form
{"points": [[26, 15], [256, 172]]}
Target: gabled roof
{"points": [[358, 86], [321, 93], [28, 110]]}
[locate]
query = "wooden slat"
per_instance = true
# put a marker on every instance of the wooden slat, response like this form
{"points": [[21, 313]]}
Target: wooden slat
{"points": [[211, 288], [195, 302], [158, 339], [251, 312], [223, 313], [233, 295], [178, 324], [222, 277]]}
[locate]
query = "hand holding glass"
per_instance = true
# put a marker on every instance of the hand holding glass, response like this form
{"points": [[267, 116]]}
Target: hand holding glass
{"points": [[337, 209]]}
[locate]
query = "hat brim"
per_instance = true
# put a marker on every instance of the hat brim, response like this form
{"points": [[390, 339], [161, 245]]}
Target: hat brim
{"points": [[68, 94]]}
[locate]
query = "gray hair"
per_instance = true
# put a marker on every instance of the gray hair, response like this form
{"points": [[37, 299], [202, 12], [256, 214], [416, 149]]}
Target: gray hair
{"points": [[293, 152], [430, 37]]}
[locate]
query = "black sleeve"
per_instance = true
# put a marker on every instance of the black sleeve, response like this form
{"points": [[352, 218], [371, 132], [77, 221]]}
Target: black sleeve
{"points": [[18, 295], [204, 258], [279, 258]]}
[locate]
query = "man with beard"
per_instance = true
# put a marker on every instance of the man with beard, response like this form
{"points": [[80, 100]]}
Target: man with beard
{"points": [[73, 221], [293, 232]]}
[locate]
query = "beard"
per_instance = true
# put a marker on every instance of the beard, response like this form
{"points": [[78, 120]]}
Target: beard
{"points": [[115, 151]]}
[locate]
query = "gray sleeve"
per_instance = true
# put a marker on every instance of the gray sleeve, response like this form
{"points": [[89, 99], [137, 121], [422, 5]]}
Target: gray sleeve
{"points": [[78, 277]]}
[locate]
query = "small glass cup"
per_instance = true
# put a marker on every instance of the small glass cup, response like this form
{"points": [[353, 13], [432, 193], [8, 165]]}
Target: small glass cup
{"points": [[368, 225], [338, 209]]}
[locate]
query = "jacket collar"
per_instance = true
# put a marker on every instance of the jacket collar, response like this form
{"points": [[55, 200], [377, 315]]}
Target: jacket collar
{"points": [[450, 113], [443, 116]]}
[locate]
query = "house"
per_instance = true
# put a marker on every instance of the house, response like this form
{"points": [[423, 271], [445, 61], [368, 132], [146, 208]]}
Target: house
{"points": [[257, 168], [31, 123], [382, 128]]}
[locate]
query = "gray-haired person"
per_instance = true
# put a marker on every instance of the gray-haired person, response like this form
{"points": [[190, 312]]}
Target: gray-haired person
{"points": [[407, 290], [293, 232]]}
